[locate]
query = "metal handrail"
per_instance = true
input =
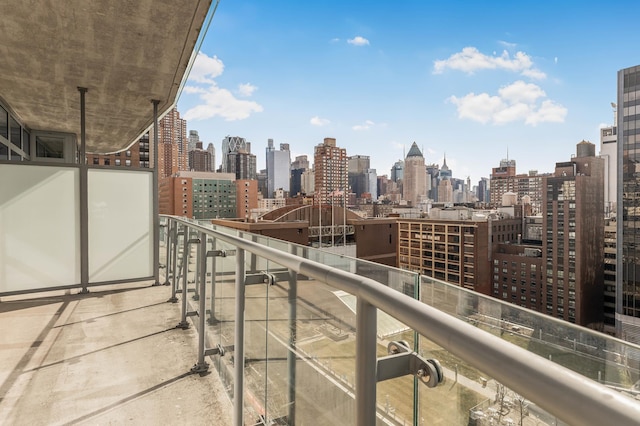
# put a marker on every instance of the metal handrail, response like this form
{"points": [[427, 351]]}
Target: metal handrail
{"points": [[567, 395]]}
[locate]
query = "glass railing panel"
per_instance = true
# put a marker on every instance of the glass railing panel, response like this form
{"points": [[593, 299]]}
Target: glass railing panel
{"points": [[221, 303], [313, 336], [395, 397], [452, 401], [591, 354]]}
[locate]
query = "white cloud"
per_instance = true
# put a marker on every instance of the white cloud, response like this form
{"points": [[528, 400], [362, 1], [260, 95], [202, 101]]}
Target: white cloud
{"points": [[520, 91], [246, 89], [317, 121], [518, 101], [471, 59], [358, 41], [206, 68], [218, 102], [555, 59], [335, 40], [364, 126], [214, 100], [507, 45]]}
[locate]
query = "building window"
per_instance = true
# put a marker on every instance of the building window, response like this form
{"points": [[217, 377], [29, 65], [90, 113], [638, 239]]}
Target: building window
{"points": [[107, 162], [127, 163], [96, 160], [117, 162]]}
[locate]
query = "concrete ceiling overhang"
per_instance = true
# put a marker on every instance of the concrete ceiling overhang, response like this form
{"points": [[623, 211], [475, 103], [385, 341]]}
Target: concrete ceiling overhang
{"points": [[125, 52]]}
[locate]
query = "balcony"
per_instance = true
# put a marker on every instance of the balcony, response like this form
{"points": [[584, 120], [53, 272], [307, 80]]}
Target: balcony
{"points": [[323, 339], [248, 330]]}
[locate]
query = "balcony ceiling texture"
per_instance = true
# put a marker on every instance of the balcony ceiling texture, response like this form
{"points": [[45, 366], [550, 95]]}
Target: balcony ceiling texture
{"points": [[125, 52]]}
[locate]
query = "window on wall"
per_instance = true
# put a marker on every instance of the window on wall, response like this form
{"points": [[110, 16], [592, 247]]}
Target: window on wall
{"points": [[49, 147], [26, 146], [4, 152], [15, 132], [4, 123]]}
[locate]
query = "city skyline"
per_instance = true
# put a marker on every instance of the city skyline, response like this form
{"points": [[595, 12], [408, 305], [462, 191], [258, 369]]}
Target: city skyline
{"points": [[479, 83]]}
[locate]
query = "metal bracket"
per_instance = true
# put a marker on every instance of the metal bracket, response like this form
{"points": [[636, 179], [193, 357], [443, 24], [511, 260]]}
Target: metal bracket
{"points": [[221, 253], [266, 278], [403, 361], [219, 349]]}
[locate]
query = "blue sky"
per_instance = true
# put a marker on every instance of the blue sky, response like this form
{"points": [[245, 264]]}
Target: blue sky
{"points": [[469, 79]]}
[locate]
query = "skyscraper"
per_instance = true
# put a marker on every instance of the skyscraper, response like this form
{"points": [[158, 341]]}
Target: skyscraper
{"points": [[212, 150], [298, 167], [573, 239], [628, 207], [609, 151], [445, 183], [415, 176], [199, 159], [237, 158], [172, 130], [358, 180], [193, 140], [330, 163], [278, 168]]}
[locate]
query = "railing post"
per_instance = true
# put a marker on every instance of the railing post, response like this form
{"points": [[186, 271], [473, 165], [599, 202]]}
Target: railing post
{"points": [[366, 363], [185, 271], [167, 264], [197, 277], [202, 366], [238, 351], [291, 355], [174, 264], [212, 306]]}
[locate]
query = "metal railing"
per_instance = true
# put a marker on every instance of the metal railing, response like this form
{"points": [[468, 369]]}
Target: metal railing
{"points": [[569, 396]]}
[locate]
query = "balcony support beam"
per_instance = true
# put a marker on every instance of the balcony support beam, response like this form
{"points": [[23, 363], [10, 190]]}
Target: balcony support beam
{"points": [[84, 196], [155, 198]]}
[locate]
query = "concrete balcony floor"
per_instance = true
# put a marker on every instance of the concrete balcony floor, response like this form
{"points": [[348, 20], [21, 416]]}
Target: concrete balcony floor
{"points": [[112, 356]]}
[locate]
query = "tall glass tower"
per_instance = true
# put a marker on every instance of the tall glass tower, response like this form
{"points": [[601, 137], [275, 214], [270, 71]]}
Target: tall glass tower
{"points": [[628, 208]]}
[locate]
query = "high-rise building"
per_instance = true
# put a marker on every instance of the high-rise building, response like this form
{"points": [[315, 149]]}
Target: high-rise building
{"points": [[212, 151], [433, 172], [172, 130], [199, 195], [237, 158], [278, 168], [397, 171], [140, 154], [454, 248], [628, 207], [573, 239], [414, 187], [193, 140], [199, 159], [298, 167], [610, 275], [358, 180], [609, 152], [483, 190], [445, 183], [330, 163], [246, 197], [504, 179]]}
